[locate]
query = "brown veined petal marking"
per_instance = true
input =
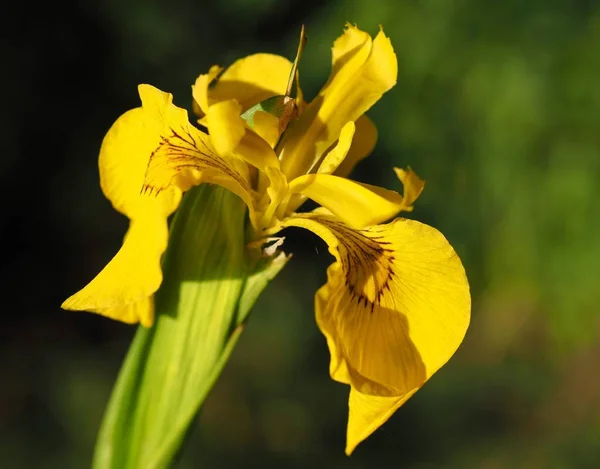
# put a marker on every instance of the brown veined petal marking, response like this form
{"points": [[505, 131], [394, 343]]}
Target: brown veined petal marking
{"points": [[183, 156], [396, 304], [185, 160], [180, 157]]}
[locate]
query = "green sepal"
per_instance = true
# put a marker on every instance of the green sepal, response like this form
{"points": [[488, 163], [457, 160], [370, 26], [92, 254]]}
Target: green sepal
{"points": [[210, 283]]}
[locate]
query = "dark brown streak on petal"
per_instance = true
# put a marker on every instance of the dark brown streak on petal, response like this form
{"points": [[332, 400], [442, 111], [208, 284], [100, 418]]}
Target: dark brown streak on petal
{"points": [[364, 257], [181, 151]]}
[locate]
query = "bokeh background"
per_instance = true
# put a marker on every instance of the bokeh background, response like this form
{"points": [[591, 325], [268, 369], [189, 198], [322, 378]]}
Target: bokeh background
{"points": [[497, 106]]}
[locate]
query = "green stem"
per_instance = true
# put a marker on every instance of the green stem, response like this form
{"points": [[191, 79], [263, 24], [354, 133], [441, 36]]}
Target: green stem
{"points": [[171, 367], [168, 451]]}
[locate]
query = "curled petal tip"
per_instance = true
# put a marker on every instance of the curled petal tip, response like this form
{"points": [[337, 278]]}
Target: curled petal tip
{"points": [[413, 186]]}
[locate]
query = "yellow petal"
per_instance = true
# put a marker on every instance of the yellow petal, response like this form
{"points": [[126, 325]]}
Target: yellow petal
{"points": [[123, 289], [151, 154], [395, 307], [123, 161], [363, 142], [200, 90], [230, 136], [413, 186], [268, 127], [141, 311], [336, 156], [182, 156], [226, 126], [357, 204], [367, 413], [329, 165], [148, 158], [362, 70], [248, 81]]}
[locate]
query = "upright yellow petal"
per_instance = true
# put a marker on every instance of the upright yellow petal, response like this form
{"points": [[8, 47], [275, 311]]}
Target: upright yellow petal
{"points": [[362, 70], [338, 153], [268, 127], [200, 89], [249, 81], [395, 308], [363, 142], [332, 160], [230, 136], [123, 289]]}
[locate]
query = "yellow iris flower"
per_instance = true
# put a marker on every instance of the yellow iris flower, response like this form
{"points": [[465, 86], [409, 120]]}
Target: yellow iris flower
{"points": [[396, 304]]}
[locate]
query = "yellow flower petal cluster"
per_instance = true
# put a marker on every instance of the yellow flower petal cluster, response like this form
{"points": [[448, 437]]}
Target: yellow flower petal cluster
{"points": [[396, 304]]}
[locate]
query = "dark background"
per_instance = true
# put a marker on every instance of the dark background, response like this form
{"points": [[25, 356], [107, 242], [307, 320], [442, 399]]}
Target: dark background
{"points": [[497, 106]]}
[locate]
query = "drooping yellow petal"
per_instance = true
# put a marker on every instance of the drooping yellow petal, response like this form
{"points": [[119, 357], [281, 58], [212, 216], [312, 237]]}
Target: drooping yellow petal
{"points": [[362, 70], [395, 308], [357, 204], [249, 81], [367, 413], [123, 289], [148, 158], [363, 142], [123, 162]]}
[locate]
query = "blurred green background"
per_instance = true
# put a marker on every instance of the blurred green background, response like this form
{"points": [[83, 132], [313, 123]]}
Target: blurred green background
{"points": [[497, 106]]}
